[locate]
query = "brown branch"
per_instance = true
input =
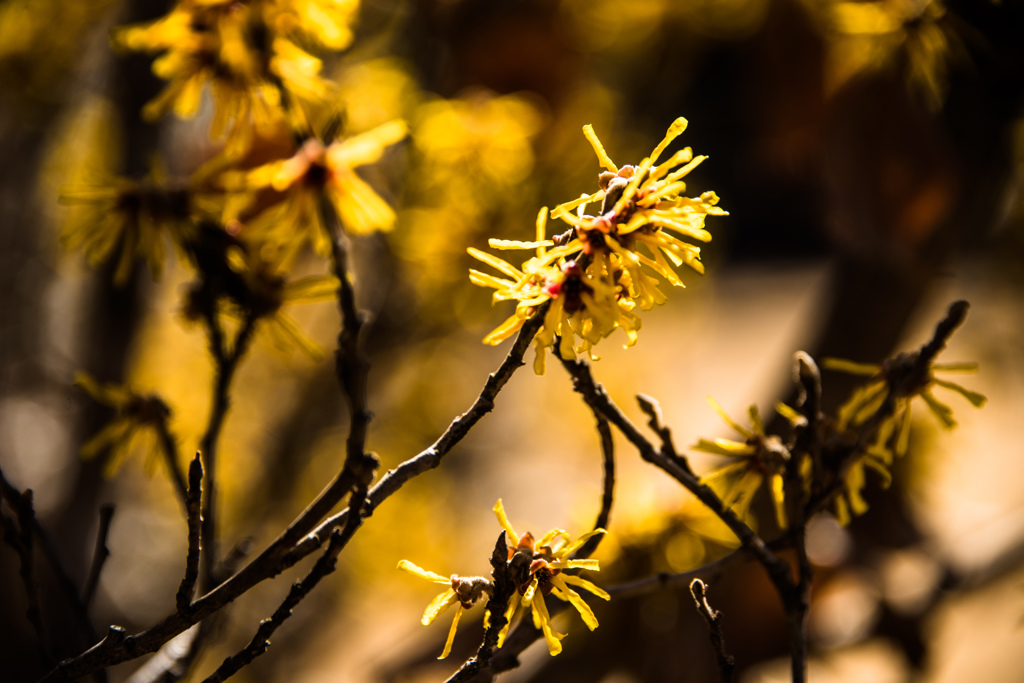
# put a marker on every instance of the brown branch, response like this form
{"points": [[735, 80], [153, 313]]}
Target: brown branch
{"points": [[430, 458], [100, 555], [608, 487], [656, 421], [324, 566], [22, 540], [16, 540], [227, 363], [668, 580], [169, 449], [595, 396], [352, 368], [286, 550], [504, 588], [13, 497], [193, 513], [726, 663]]}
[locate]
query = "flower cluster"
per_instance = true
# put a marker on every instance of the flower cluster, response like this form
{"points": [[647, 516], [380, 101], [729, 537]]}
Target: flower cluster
{"points": [[595, 274], [246, 52], [761, 458], [136, 415], [899, 379], [463, 591], [549, 557], [539, 566], [128, 217], [281, 200]]}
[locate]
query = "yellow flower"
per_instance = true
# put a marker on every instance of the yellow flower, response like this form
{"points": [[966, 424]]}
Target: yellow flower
{"points": [[136, 415], [589, 303], [463, 591], [328, 22], [125, 216], [217, 42], [316, 172], [547, 560], [762, 458], [898, 377], [918, 36], [252, 287], [644, 205]]}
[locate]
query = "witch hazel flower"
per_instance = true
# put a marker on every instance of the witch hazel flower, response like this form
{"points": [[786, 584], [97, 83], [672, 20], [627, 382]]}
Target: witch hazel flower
{"points": [[544, 574]]}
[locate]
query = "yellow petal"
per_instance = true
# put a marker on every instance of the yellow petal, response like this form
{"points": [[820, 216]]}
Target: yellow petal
{"points": [[563, 591], [407, 566], [513, 603], [451, 633], [496, 263], [728, 420], [580, 541], [499, 512], [439, 604], [518, 244], [586, 585], [779, 498], [504, 331], [976, 399], [540, 611], [674, 131], [602, 156], [311, 289]]}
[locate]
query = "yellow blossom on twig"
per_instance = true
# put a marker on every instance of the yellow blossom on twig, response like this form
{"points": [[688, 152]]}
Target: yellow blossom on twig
{"points": [[463, 591], [318, 172], [128, 217], [548, 558], [136, 414], [761, 458], [898, 379], [257, 77], [594, 275], [644, 205], [589, 303]]}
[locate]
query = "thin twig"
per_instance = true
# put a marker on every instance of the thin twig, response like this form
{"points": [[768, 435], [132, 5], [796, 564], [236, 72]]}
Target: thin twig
{"points": [[504, 587], [726, 663], [193, 510], [595, 396], [430, 458], [656, 421], [169, 449], [226, 362], [352, 368], [667, 580], [608, 487], [99, 556], [33, 613], [299, 590], [26, 541], [12, 496]]}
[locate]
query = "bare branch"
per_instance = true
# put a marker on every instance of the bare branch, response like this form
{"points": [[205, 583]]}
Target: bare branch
{"points": [[504, 588], [100, 555], [193, 508], [608, 489], [324, 566], [595, 396], [226, 362], [169, 449], [726, 663], [12, 496], [650, 406]]}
